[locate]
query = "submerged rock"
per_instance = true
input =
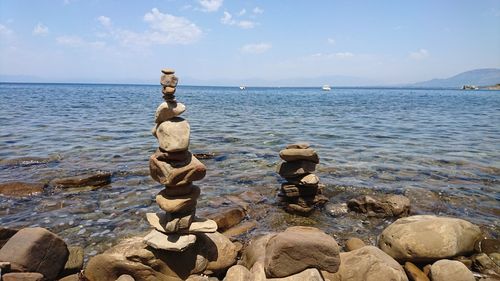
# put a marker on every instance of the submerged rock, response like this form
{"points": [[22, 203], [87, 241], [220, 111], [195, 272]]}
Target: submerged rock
{"points": [[428, 238], [21, 189], [91, 179], [389, 206]]}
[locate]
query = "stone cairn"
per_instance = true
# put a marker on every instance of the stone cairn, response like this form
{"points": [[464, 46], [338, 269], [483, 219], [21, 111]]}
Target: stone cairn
{"points": [[302, 190], [176, 168]]}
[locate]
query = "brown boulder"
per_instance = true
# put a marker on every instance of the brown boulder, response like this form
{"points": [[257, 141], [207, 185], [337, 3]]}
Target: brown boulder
{"points": [[35, 250], [354, 243], [173, 135], [93, 179], [446, 270], [255, 252], [299, 248], [75, 261], [6, 234], [21, 189], [238, 273]]}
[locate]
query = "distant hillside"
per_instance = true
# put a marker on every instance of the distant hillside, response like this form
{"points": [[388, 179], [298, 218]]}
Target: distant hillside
{"points": [[478, 77]]}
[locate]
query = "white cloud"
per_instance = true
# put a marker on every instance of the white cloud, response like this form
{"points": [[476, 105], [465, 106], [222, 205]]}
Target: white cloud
{"points": [[169, 29], [257, 10], [331, 41], [420, 54], [5, 30], [104, 21], [344, 55], [210, 5], [40, 29], [242, 12], [258, 48], [77, 41], [227, 19]]}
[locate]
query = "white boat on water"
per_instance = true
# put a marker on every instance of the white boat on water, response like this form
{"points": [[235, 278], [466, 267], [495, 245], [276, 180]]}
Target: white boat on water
{"points": [[326, 88], [243, 88]]}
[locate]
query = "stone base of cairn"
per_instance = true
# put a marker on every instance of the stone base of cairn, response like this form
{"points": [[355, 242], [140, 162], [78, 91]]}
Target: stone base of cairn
{"points": [[302, 191], [176, 168]]}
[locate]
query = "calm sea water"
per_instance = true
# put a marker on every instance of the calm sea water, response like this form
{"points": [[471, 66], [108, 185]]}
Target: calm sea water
{"points": [[369, 141]]}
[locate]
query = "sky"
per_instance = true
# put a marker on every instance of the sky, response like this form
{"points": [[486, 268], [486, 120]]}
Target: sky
{"points": [[265, 42]]}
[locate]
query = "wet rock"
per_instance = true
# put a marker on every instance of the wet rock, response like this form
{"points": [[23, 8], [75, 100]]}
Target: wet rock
{"points": [[227, 218], [204, 156], [251, 196], [354, 243], [240, 229], [466, 261], [484, 264], [446, 270], [298, 248], [424, 200], [414, 273], [173, 135], [238, 273], [176, 173], [27, 161], [92, 179], [487, 245], [370, 264], [296, 168], [23, 276], [75, 261], [72, 277], [305, 180], [428, 238], [291, 190], [6, 234], [393, 205], [311, 274], [298, 209], [21, 189], [35, 250], [294, 154], [168, 110], [336, 209]]}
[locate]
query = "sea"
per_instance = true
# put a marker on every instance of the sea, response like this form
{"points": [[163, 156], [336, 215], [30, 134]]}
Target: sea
{"points": [[440, 147]]}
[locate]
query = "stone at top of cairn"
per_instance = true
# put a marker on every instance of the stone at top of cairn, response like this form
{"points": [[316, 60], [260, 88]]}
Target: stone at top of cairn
{"points": [[302, 190], [176, 168]]}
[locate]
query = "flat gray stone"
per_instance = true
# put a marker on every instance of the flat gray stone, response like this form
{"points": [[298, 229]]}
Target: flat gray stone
{"points": [[169, 242]]}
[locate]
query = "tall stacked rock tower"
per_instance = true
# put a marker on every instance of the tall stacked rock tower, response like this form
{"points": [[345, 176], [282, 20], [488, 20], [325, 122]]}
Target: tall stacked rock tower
{"points": [[302, 190], [176, 168]]}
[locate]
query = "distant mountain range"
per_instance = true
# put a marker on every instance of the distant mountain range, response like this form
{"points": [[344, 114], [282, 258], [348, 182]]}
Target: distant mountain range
{"points": [[477, 77]]}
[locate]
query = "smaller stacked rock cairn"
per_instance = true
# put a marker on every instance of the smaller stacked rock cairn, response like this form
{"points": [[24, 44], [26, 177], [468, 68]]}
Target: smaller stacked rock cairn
{"points": [[302, 190], [176, 168]]}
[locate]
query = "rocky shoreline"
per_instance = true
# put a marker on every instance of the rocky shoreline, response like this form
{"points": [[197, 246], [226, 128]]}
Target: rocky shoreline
{"points": [[230, 244]]}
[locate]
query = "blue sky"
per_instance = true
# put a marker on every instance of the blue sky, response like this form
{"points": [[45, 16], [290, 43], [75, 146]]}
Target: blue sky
{"points": [[224, 42]]}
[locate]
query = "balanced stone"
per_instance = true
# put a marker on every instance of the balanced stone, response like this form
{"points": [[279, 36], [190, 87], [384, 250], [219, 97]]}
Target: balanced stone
{"points": [[427, 238], [173, 135], [168, 110], [176, 173], [168, 71], [178, 190], [294, 154], [169, 242], [306, 180], [170, 91], [296, 168], [198, 225], [169, 80], [172, 156], [180, 203], [300, 145], [291, 190]]}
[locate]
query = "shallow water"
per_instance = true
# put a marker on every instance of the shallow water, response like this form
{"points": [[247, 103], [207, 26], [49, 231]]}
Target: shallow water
{"points": [[369, 141]]}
